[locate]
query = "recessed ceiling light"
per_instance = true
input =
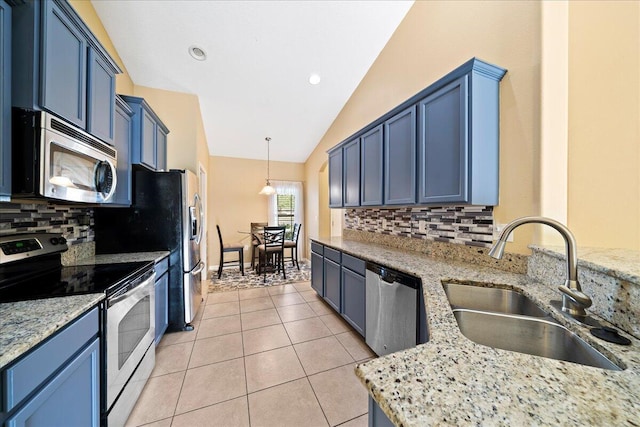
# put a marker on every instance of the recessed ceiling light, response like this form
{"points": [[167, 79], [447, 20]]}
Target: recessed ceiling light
{"points": [[197, 53], [314, 79]]}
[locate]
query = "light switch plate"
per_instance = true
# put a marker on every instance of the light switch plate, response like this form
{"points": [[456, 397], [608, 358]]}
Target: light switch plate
{"points": [[497, 229]]}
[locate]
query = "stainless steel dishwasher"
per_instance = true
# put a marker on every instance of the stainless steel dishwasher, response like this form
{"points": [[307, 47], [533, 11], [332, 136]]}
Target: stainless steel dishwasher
{"points": [[391, 309]]}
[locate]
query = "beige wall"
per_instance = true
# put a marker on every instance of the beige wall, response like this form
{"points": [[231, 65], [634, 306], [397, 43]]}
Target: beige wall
{"points": [[234, 201], [604, 123], [434, 38]]}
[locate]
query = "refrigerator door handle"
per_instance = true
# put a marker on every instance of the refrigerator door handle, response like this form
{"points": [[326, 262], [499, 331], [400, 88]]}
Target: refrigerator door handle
{"points": [[198, 269], [197, 221]]}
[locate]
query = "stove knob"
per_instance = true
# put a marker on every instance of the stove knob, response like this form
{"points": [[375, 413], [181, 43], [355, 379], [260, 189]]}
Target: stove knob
{"points": [[62, 240], [54, 240]]}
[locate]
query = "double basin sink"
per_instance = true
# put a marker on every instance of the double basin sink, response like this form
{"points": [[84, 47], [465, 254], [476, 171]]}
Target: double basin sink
{"points": [[508, 320]]}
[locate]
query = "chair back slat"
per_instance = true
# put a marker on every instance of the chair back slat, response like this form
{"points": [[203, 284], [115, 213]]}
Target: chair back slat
{"points": [[273, 237]]}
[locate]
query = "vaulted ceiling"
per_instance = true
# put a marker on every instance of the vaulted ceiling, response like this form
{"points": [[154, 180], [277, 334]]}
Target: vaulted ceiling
{"points": [[259, 57]]}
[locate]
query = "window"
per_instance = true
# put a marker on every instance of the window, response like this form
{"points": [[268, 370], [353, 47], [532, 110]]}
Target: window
{"points": [[286, 213]]}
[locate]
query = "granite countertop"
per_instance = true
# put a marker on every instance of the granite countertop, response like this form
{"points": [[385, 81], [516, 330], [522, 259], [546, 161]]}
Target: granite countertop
{"points": [[452, 381], [123, 257], [25, 324]]}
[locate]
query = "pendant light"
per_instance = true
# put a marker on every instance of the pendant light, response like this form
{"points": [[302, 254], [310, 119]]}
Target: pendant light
{"points": [[267, 190]]}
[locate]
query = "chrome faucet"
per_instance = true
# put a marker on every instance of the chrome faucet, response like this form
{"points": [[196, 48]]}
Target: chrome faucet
{"points": [[574, 301]]}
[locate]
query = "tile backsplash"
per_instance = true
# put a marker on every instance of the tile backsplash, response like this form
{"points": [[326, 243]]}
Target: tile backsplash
{"points": [[73, 222], [465, 225]]}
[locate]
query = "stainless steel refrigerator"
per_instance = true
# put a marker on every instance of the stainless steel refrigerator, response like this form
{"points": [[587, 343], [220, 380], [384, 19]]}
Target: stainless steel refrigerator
{"points": [[166, 214]]}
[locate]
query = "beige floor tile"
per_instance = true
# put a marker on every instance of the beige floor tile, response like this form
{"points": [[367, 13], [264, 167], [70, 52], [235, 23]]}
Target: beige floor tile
{"points": [[253, 293], [158, 399], [321, 308], [322, 354], [212, 384], [310, 296], [221, 309], [170, 338], [306, 330], [361, 421], [282, 289], [290, 313], [335, 323], [232, 413], [172, 358], [287, 299], [263, 339], [340, 393], [219, 326], [271, 368], [288, 405], [218, 297], [216, 349], [355, 345], [258, 319], [303, 286], [162, 423], [255, 304]]}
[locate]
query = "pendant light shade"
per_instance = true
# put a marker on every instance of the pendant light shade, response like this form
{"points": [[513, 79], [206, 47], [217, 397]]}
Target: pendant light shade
{"points": [[267, 190]]}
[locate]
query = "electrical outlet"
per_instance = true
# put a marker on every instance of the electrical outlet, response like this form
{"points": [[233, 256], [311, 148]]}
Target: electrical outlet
{"points": [[497, 229]]}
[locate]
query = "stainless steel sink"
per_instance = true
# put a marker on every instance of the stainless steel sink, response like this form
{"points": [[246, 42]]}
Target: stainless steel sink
{"points": [[530, 335], [491, 299]]}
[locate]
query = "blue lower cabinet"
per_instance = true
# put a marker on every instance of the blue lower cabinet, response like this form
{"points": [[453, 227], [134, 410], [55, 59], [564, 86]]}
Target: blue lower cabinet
{"points": [[317, 273], [353, 299], [58, 382], [162, 306], [71, 398], [332, 284], [377, 418]]}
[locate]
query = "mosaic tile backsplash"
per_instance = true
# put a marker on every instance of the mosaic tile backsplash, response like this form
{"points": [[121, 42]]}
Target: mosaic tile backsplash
{"points": [[73, 222], [465, 225]]}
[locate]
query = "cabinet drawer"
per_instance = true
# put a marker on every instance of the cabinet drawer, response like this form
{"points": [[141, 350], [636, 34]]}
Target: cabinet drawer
{"points": [[332, 254], [161, 267], [354, 264], [26, 375], [317, 248]]}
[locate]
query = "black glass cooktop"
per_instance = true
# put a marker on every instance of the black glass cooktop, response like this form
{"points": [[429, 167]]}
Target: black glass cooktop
{"points": [[57, 281]]}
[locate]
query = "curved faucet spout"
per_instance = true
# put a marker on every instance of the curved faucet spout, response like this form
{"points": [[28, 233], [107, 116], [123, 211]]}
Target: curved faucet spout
{"points": [[574, 301]]}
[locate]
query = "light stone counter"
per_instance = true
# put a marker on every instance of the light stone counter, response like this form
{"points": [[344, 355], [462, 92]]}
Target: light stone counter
{"points": [[452, 381], [123, 257], [25, 324]]}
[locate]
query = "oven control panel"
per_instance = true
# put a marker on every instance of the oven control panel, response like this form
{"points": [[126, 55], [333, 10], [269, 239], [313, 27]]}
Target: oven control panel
{"points": [[21, 246]]}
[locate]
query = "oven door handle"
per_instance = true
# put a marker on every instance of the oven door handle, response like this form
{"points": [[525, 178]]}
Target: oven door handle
{"points": [[140, 288]]}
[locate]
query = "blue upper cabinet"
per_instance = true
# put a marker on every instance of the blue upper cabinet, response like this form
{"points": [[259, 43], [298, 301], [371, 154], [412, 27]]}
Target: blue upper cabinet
{"points": [[335, 178], [5, 101], [149, 137], [101, 96], [439, 147], [400, 158], [371, 167], [64, 65], [442, 145], [351, 177], [122, 142], [459, 139], [59, 66]]}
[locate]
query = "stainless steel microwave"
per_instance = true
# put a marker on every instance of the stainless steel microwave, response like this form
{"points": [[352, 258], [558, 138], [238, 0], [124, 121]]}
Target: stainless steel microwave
{"points": [[54, 159]]}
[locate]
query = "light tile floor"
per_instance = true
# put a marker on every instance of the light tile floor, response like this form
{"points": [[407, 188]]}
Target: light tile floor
{"points": [[275, 356]]}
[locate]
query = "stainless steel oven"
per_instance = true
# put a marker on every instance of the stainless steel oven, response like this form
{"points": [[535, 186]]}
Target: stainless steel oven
{"points": [[130, 353], [54, 159]]}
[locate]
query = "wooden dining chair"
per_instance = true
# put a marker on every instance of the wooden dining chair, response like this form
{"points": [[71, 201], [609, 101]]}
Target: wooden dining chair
{"points": [[293, 245], [256, 239], [271, 252], [227, 248]]}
